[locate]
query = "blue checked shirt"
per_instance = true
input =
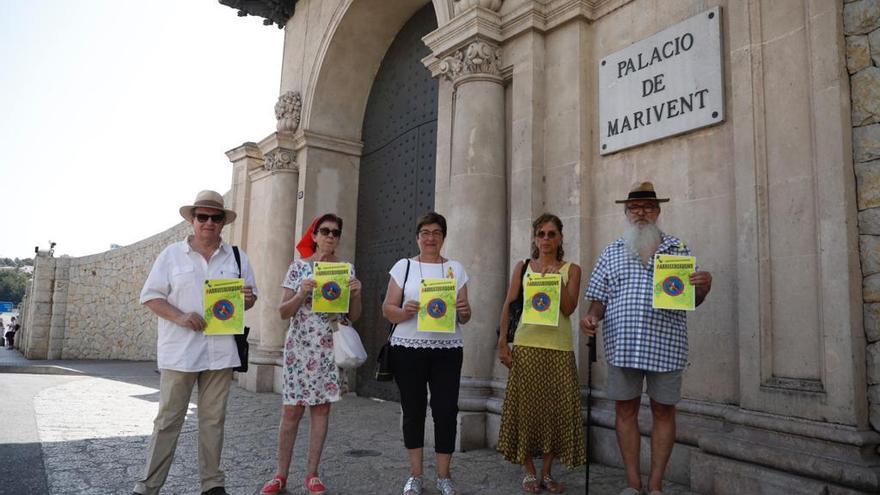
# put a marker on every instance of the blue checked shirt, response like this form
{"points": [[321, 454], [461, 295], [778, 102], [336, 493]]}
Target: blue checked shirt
{"points": [[635, 334]]}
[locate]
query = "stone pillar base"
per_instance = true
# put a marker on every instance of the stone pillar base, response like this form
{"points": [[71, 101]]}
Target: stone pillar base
{"points": [[470, 431], [727, 450], [722, 476], [261, 378]]}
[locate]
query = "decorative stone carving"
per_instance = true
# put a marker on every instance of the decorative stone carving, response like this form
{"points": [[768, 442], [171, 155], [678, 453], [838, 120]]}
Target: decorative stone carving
{"points": [[459, 6], [478, 57], [287, 111], [280, 159], [272, 11]]}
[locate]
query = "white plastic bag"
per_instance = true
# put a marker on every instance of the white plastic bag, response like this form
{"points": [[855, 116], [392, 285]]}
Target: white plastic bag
{"points": [[348, 351]]}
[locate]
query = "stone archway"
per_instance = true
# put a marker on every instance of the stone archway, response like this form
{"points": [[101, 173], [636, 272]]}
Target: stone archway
{"points": [[335, 99], [335, 96]]}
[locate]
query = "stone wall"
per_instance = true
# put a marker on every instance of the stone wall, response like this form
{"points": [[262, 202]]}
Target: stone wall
{"points": [[861, 23], [93, 303]]}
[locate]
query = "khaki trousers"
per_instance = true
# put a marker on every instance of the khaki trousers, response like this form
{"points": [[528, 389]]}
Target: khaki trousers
{"points": [[175, 388]]}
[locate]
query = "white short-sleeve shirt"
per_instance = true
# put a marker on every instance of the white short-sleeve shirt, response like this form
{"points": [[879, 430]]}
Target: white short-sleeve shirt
{"points": [[178, 276], [406, 333]]}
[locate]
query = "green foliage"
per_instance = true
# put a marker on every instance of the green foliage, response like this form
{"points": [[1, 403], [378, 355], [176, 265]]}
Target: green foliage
{"points": [[12, 285]]}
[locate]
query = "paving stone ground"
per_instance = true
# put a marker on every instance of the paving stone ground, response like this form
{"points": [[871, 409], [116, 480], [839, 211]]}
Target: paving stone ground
{"points": [[94, 430]]}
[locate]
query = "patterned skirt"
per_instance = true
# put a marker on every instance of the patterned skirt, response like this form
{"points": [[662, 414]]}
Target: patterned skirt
{"points": [[542, 408]]}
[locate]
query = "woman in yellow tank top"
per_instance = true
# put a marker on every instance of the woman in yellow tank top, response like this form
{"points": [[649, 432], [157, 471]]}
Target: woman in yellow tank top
{"points": [[541, 415]]}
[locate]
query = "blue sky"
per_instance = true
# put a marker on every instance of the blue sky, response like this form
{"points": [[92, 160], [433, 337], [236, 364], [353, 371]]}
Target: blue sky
{"points": [[115, 112]]}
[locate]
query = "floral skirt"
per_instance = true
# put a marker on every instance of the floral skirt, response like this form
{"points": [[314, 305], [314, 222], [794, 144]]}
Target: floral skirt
{"points": [[310, 375], [542, 408]]}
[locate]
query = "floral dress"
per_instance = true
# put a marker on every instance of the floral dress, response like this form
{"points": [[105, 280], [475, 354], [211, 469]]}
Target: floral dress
{"points": [[311, 376]]}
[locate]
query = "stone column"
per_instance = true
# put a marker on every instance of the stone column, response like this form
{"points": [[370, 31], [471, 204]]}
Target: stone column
{"points": [[477, 216], [270, 243], [59, 309], [39, 311], [244, 158]]}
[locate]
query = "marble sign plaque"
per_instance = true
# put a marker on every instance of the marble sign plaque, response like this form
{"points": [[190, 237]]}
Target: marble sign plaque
{"points": [[666, 84]]}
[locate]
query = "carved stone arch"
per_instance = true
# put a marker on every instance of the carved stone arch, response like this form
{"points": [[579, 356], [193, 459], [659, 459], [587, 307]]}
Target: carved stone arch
{"points": [[352, 50]]}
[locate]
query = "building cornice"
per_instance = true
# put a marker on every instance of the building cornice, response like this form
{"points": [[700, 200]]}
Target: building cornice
{"points": [[276, 12], [311, 139]]}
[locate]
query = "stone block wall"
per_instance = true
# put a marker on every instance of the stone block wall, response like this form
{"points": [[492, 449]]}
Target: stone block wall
{"points": [[861, 22], [92, 304]]}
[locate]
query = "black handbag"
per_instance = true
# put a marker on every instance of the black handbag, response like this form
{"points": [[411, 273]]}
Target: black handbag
{"points": [[384, 372], [515, 309], [241, 342]]}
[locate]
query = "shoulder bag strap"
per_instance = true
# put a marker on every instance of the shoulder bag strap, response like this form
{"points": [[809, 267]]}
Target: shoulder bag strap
{"points": [[522, 278], [237, 259], [402, 298]]}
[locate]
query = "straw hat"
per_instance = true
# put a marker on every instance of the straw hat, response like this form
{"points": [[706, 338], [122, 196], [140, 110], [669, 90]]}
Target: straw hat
{"points": [[642, 190], [207, 199]]}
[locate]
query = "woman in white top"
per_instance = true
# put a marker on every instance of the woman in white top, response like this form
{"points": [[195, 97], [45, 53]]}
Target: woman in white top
{"points": [[420, 358]]}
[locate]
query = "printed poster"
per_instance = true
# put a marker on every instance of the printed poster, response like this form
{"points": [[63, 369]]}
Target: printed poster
{"points": [[437, 305], [541, 299], [224, 306], [331, 293], [672, 286]]}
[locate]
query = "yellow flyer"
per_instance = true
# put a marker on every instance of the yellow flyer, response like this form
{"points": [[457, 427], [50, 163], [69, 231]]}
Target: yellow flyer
{"points": [[224, 306], [541, 299], [331, 293], [437, 305], [672, 286]]}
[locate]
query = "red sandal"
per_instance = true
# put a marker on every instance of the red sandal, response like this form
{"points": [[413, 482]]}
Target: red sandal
{"points": [[273, 486], [314, 485]]}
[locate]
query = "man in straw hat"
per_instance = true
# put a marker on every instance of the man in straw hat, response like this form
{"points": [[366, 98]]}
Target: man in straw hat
{"points": [[641, 343], [174, 292]]}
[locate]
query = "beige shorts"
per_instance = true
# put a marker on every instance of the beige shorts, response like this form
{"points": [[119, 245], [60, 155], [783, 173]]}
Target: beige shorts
{"points": [[627, 384]]}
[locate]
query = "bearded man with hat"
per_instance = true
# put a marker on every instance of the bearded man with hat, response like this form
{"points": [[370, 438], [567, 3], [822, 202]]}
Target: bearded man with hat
{"points": [[641, 343], [174, 291]]}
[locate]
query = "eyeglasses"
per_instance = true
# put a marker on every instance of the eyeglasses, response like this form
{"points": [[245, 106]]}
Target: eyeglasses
{"points": [[642, 208], [550, 234], [327, 231], [218, 218], [430, 233]]}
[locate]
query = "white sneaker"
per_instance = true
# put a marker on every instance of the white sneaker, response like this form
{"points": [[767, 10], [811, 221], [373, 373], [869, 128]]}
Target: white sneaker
{"points": [[446, 486], [413, 486]]}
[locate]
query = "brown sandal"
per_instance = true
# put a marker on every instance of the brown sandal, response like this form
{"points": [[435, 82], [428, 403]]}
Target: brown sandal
{"points": [[551, 485], [530, 484]]}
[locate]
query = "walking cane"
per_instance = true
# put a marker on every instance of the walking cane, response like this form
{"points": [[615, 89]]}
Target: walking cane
{"points": [[590, 361]]}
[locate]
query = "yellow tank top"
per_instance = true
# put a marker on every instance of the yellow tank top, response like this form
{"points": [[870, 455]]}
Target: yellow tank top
{"points": [[558, 337]]}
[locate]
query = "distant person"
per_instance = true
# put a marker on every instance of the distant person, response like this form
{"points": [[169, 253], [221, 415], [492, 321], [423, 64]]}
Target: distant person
{"points": [[3, 337], [11, 330], [310, 375], [641, 343], [541, 415], [185, 355], [422, 360]]}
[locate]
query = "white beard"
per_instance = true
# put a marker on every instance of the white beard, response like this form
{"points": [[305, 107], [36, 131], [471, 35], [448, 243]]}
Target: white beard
{"points": [[641, 239]]}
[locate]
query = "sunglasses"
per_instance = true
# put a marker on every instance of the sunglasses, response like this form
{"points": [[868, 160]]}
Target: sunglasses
{"points": [[202, 218], [541, 234], [327, 231]]}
